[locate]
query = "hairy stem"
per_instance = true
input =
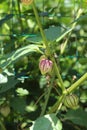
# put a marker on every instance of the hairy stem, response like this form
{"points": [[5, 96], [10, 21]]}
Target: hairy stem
{"points": [[40, 26], [57, 105], [56, 68], [77, 83], [69, 90], [47, 97]]}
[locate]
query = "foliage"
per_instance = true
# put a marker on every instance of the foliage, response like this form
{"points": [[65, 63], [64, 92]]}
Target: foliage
{"points": [[47, 122], [75, 118], [29, 100]]}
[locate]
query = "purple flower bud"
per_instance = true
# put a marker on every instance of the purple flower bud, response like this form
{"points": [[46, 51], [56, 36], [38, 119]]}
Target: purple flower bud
{"points": [[45, 65]]}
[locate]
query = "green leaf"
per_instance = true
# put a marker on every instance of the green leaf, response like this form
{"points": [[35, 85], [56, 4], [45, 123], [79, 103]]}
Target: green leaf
{"points": [[64, 34], [18, 104], [80, 18], [51, 33], [10, 84], [3, 79], [78, 117], [47, 122], [22, 92], [7, 17], [83, 60], [14, 56], [36, 39]]}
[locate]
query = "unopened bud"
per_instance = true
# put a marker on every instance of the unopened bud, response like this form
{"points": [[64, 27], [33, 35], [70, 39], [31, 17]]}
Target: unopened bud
{"points": [[27, 2], [45, 65]]}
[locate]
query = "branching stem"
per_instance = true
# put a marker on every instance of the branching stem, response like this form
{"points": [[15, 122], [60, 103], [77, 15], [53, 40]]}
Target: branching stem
{"points": [[56, 68], [69, 90], [56, 72], [77, 83]]}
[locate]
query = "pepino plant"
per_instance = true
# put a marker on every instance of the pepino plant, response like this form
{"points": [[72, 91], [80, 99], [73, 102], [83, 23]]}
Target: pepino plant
{"points": [[45, 57]]}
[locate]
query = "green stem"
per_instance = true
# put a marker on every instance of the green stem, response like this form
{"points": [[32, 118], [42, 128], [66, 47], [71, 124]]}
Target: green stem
{"points": [[69, 90], [56, 69], [2, 126], [73, 26], [77, 83], [57, 105], [39, 24], [47, 97], [19, 18]]}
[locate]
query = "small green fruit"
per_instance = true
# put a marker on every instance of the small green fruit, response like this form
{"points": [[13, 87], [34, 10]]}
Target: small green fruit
{"points": [[71, 101]]}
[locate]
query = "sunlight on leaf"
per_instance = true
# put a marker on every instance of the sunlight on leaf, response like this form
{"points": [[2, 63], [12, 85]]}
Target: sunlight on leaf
{"points": [[22, 92], [47, 122], [3, 79]]}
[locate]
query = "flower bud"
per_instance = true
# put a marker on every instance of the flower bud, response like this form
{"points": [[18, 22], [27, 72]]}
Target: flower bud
{"points": [[45, 65], [71, 101], [27, 2]]}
